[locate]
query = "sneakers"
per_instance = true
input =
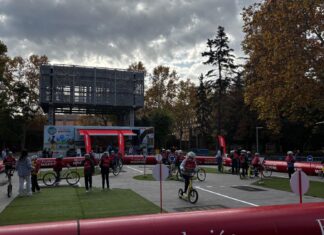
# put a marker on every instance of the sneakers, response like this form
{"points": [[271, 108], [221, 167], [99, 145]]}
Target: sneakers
{"points": [[87, 191]]}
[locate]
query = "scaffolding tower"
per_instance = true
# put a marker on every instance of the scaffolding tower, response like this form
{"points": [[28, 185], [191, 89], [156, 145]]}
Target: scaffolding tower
{"points": [[85, 90]]}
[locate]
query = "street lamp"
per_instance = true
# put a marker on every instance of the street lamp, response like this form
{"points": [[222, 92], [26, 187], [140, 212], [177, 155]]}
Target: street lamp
{"points": [[257, 137]]}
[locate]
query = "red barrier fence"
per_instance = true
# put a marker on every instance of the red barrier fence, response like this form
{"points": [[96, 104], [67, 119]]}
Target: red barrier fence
{"points": [[294, 219]]}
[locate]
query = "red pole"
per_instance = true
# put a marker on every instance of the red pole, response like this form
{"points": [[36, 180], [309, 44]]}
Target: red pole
{"points": [[300, 187], [160, 187]]}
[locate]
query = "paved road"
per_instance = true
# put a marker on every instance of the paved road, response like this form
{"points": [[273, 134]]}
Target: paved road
{"points": [[218, 191]]}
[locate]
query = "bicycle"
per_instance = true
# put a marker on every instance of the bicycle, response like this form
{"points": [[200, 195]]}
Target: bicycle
{"points": [[192, 193], [72, 177], [201, 174], [116, 167], [264, 171], [9, 187]]}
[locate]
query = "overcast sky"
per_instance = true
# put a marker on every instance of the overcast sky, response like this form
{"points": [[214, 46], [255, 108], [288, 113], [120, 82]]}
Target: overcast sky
{"points": [[117, 33]]}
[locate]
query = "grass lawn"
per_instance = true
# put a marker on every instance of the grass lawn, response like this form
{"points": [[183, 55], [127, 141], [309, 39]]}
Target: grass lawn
{"points": [[68, 203], [316, 189]]}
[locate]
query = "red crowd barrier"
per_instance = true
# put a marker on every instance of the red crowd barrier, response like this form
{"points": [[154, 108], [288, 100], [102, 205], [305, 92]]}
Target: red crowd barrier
{"points": [[297, 219]]}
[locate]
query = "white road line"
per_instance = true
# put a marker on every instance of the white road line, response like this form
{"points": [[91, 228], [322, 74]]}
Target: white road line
{"points": [[232, 198], [135, 169]]}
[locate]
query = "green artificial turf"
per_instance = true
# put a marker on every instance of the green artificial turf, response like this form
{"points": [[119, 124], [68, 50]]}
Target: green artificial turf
{"points": [[316, 188], [69, 203]]}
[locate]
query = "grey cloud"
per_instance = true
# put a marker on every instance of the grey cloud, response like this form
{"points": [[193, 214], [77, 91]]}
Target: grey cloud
{"points": [[76, 29]]}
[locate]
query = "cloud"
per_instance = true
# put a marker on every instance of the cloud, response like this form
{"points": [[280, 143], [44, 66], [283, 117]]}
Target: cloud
{"points": [[117, 33]]}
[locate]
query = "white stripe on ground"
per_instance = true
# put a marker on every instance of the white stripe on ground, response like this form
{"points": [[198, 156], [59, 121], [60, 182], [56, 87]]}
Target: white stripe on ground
{"points": [[135, 169], [232, 198]]}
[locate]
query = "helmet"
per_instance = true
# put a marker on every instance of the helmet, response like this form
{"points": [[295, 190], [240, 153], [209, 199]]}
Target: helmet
{"points": [[290, 153], [191, 154], [9, 153], [106, 153], [232, 151], [257, 154], [87, 155], [60, 156], [248, 152], [34, 157]]}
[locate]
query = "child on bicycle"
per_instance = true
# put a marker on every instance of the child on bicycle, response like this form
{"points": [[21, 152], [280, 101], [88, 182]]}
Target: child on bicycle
{"points": [[88, 170], [35, 169], [58, 166], [104, 165], [10, 163], [188, 168]]}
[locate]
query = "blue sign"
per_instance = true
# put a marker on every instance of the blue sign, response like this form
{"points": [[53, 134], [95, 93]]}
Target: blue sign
{"points": [[309, 158]]}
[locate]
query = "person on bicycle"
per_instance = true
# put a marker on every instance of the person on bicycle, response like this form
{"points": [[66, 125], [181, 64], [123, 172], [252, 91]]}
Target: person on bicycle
{"points": [[10, 163], [256, 163], [88, 170], [290, 163], [105, 165], [35, 169], [57, 168], [188, 168]]}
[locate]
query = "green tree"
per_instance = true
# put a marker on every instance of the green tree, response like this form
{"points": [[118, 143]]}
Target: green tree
{"points": [[161, 120], [220, 56], [285, 67]]}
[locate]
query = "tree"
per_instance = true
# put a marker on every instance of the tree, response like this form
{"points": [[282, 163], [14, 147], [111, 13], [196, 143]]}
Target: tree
{"points": [[3, 58], [203, 108], [220, 56], [285, 67], [161, 120], [139, 66], [21, 84]]}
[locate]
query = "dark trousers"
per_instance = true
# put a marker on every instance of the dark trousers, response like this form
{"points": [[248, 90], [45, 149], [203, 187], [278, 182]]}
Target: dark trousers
{"points": [[34, 183], [58, 176], [234, 167], [105, 177], [245, 168], [88, 180], [186, 180], [291, 171]]}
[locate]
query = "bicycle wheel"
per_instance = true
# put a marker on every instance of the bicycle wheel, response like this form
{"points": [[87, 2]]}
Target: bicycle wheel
{"points": [[116, 170], [180, 193], [266, 172], [9, 190], [49, 179], [72, 178], [193, 196], [201, 174], [120, 164]]}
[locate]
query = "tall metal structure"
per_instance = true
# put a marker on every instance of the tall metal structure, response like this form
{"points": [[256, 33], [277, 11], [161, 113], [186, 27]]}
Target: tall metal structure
{"points": [[86, 90]]}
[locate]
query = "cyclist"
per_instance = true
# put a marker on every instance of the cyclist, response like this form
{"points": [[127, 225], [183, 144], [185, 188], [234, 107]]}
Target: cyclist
{"points": [[10, 163], [188, 167], [256, 163], [104, 165], [58, 166]]}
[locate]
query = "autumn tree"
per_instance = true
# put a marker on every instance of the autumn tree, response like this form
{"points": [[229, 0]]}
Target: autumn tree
{"points": [[285, 67], [21, 85], [219, 56]]}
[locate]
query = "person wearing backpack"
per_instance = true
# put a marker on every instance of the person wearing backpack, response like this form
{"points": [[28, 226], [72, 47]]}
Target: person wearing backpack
{"points": [[290, 163]]}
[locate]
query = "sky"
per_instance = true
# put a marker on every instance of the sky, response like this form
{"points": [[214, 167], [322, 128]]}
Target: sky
{"points": [[117, 33]]}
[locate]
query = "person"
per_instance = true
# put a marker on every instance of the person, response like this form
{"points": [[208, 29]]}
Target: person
{"points": [[188, 167], [219, 159], [290, 163], [58, 166], [88, 171], [244, 162], [3, 153], [24, 168], [178, 159], [235, 167], [10, 162], [35, 169], [104, 165], [256, 163]]}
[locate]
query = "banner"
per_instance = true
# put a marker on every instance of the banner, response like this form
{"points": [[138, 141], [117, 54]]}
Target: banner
{"points": [[221, 143]]}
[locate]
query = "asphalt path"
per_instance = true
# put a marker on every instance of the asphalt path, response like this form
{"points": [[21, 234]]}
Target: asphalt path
{"points": [[218, 191]]}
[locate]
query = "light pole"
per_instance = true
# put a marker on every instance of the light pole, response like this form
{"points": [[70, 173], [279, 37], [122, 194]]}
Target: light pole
{"points": [[257, 137]]}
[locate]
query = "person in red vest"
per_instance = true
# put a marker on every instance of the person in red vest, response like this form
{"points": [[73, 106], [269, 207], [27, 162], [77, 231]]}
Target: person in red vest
{"points": [[256, 163], [58, 166], [35, 169], [188, 168], [290, 163], [88, 169], [10, 163], [105, 165]]}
